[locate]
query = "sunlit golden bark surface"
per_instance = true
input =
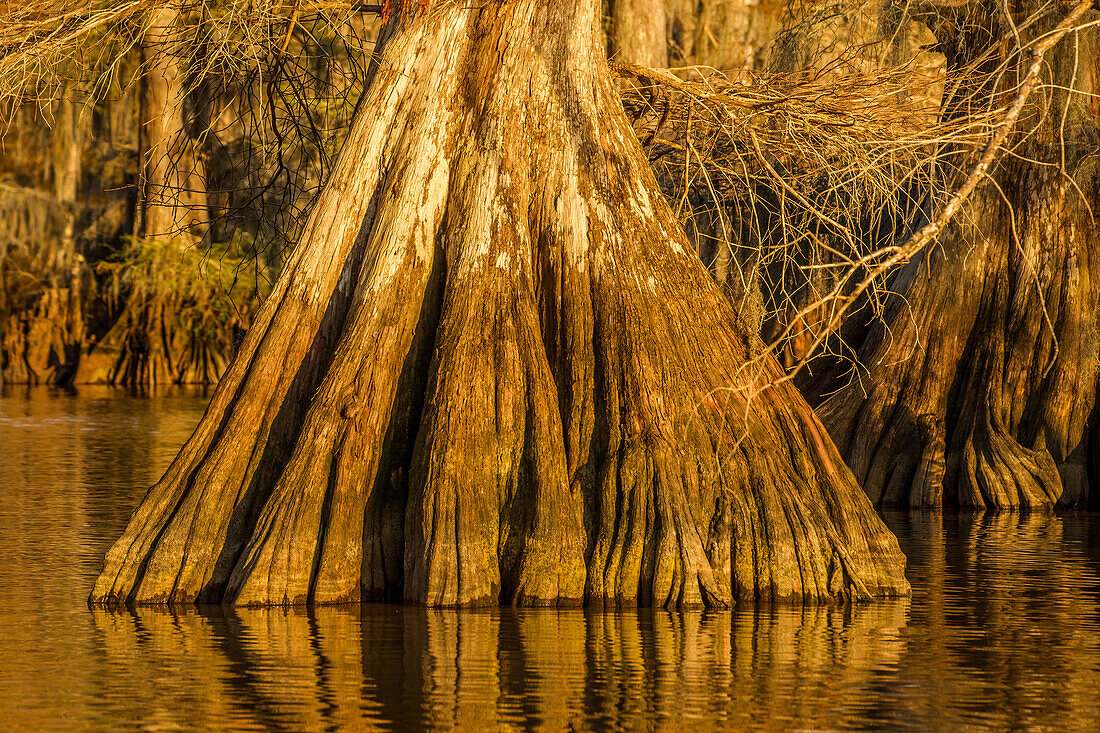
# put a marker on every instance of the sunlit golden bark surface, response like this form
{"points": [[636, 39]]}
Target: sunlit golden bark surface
{"points": [[495, 371]]}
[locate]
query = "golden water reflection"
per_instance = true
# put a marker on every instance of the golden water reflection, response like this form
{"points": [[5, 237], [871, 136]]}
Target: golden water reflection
{"points": [[1002, 629], [395, 667]]}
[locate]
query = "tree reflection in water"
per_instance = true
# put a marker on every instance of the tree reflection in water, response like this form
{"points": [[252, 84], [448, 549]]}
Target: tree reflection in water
{"points": [[400, 666], [1003, 628]]}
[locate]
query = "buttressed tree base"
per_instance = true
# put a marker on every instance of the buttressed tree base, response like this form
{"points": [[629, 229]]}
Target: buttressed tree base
{"points": [[975, 385], [496, 372]]}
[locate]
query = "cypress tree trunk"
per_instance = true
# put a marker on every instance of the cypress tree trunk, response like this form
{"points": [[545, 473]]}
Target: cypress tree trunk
{"points": [[725, 34], [639, 33], [150, 343], [974, 388], [42, 275], [495, 371], [61, 309], [173, 181]]}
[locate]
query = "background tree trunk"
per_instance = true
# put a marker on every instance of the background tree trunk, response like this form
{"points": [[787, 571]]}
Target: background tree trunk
{"points": [[495, 371], [42, 272], [173, 182], [639, 32], [974, 387], [725, 34], [151, 342], [62, 306]]}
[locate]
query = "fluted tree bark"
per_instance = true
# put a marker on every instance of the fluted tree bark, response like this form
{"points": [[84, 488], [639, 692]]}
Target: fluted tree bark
{"points": [[974, 387], [495, 371]]}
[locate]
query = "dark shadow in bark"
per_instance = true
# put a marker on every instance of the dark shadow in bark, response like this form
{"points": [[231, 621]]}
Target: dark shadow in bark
{"points": [[384, 527]]}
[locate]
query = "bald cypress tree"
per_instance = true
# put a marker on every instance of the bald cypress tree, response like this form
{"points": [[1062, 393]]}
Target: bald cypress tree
{"points": [[976, 382], [495, 371]]}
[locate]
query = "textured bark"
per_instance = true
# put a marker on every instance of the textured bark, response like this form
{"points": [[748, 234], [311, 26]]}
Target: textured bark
{"points": [[173, 182], [725, 34], [975, 385], [150, 343], [495, 371]]}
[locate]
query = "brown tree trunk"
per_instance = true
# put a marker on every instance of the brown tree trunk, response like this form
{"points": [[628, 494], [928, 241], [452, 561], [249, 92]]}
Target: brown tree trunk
{"points": [[639, 32], [725, 34], [173, 182], [151, 343], [68, 292], [494, 371], [42, 316], [974, 387]]}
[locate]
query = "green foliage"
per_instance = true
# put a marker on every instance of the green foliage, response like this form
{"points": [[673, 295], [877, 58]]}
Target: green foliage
{"points": [[206, 293]]}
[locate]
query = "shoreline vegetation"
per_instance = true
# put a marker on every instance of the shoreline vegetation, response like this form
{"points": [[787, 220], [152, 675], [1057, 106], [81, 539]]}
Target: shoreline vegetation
{"points": [[494, 319]]}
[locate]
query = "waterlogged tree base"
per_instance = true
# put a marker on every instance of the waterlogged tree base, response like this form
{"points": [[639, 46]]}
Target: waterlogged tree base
{"points": [[42, 345], [149, 345], [974, 387], [495, 372]]}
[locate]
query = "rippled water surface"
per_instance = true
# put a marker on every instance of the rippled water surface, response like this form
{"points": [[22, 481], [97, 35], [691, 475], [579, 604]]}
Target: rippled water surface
{"points": [[1003, 628]]}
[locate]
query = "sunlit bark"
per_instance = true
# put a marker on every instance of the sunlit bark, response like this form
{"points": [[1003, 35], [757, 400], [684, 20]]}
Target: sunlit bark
{"points": [[495, 371]]}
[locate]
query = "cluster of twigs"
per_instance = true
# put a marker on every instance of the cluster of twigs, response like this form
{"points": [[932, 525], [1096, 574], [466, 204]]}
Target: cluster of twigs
{"points": [[877, 264], [819, 183], [858, 131], [799, 174], [289, 95], [45, 44]]}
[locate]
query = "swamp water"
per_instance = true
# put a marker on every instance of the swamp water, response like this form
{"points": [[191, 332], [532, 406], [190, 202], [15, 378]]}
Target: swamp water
{"points": [[1003, 629]]}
